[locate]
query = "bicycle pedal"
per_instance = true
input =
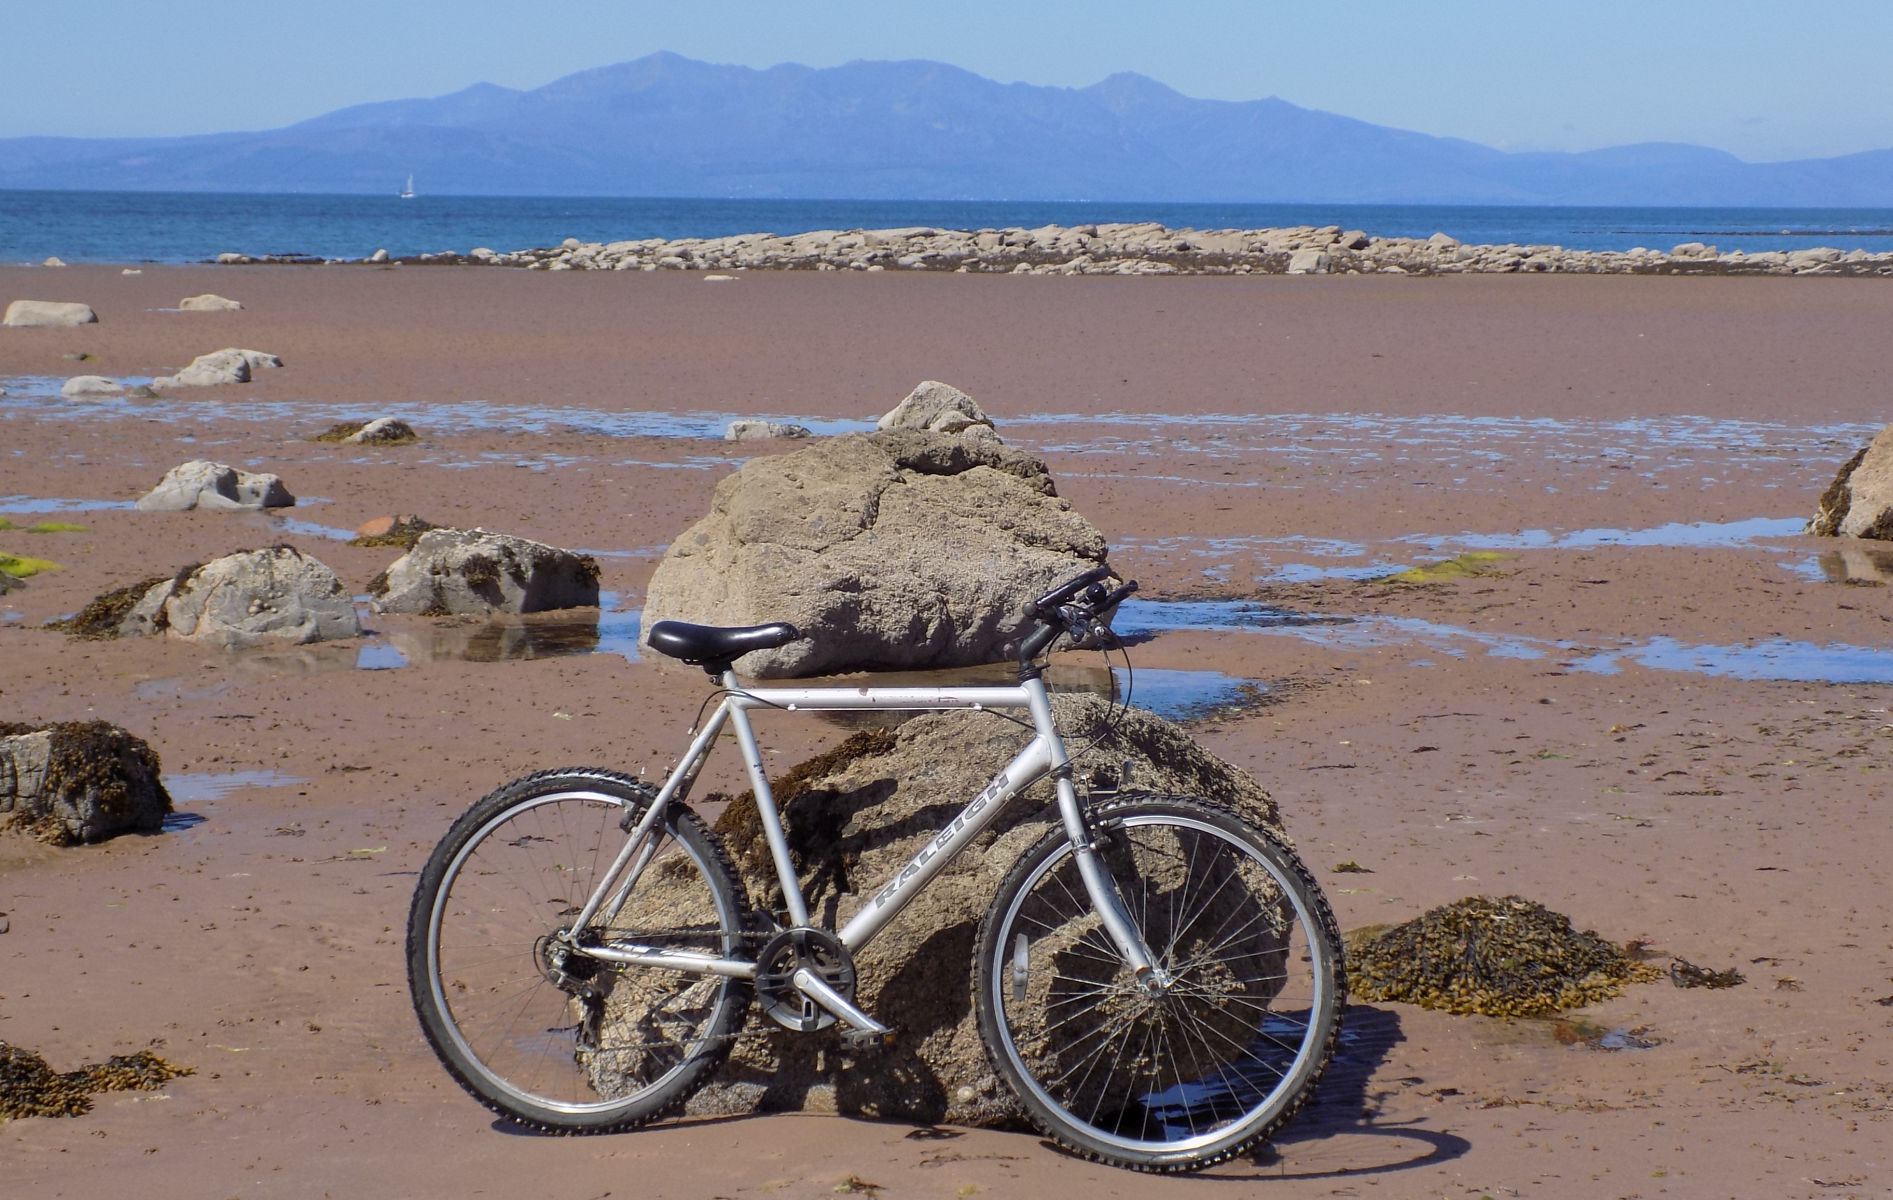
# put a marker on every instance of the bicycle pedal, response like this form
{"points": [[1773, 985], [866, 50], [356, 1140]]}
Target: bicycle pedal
{"points": [[868, 1039]]}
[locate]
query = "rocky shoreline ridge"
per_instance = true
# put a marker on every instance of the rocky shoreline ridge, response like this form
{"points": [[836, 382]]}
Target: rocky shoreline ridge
{"points": [[1122, 249]]}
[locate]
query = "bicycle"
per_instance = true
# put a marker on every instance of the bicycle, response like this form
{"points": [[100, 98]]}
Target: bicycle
{"points": [[1158, 980]]}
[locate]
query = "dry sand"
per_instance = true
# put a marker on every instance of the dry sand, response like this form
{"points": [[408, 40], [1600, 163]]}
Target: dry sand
{"points": [[1455, 749]]}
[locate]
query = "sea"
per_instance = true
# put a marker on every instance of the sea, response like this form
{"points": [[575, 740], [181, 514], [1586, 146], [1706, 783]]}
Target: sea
{"points": [[175, 227]]}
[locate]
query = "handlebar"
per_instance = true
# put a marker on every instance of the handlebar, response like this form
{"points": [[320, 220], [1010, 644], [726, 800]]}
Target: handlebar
{"points": [[1047, 604], [1075, 607]]}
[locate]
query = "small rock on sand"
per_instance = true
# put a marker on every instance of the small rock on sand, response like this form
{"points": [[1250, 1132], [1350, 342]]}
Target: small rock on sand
{"points": [[210, 485], [54, 261], [47, 314], [208, 302], [79, 781], [230, 365], [251, 598], [939, 407], [90, 385], [477, 571], [761, 431]]}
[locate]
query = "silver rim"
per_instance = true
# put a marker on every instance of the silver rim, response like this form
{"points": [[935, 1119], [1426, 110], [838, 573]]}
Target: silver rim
{"points": [[1218, 1054], [514, 1027]]}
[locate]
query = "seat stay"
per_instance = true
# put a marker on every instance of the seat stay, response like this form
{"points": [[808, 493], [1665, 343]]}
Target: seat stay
{"points": [[642, 831]]}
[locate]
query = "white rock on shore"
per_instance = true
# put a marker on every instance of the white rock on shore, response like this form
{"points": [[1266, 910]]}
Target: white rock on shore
{"points": [[208, 302], [230, 365], [47, 314], [90, 385], [210, 485], [756, 430]]}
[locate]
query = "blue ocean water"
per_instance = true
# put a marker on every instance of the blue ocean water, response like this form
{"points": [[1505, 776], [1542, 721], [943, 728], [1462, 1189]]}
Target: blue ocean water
{"points": [[184, 227]]}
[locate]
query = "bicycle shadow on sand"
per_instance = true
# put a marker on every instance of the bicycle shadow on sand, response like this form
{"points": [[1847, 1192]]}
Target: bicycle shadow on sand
{"points": [[1345, 1111]]}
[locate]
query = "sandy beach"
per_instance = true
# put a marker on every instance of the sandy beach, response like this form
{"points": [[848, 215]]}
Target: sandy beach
{"points": [[1664, 712]]}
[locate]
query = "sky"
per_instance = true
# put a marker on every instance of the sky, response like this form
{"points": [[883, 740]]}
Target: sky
{"points": [[1764, 80]]}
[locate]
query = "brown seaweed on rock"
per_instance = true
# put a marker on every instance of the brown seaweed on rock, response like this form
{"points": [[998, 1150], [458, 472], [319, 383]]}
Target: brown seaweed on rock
{"points": [[85, 782], [100, 619]]}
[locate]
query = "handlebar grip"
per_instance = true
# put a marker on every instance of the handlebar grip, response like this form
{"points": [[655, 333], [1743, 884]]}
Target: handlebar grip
{"points": [[1117, 597], [1048, 603]]}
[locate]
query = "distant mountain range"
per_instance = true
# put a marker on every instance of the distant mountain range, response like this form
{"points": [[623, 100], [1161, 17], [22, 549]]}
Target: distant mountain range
{"points": [[670, 126]]}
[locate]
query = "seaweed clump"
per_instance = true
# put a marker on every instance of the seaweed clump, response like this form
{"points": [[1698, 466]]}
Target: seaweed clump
{"points": [[1498, 957], [1465, 566], [402, 532], [21, 566], [386, 432], [100, 619], [31, 1088]]}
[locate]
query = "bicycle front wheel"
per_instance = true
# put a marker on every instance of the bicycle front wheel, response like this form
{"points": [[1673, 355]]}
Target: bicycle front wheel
{"points": [[543, 1034], [1227, 1043]]}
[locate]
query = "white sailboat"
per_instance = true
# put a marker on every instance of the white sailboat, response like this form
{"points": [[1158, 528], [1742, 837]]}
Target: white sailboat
{"points": [[407, 193]]}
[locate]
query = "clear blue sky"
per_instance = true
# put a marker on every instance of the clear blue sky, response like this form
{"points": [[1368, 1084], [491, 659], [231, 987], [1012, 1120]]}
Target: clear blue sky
{"points": [[1764, 80]]}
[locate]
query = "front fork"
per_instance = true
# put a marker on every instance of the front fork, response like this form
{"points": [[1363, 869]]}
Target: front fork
{"points": [[1103, 892]]}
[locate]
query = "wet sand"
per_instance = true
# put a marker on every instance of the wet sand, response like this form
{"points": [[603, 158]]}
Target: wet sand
{"points": [[1627, 720]]}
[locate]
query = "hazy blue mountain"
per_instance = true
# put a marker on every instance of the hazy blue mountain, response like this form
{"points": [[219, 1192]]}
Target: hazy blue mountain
{"points": [[670, 126]]}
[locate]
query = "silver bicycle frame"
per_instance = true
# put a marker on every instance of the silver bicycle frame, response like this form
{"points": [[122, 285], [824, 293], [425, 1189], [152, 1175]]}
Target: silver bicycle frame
{"points": [[1044, 755]]}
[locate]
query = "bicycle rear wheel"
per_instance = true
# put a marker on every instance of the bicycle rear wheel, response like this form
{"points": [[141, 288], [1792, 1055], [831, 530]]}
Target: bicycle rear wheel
{"points": [[1208, 1063], [545, 1036]]}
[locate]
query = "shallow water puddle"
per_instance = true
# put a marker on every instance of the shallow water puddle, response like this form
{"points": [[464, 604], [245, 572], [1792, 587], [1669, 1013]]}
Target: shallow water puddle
{"points": [[1139, 618], [1676, 534], [43, 504], [1286, 559], [204, 789], [1184, 696], [508, 638], [1778, 659], [200, 787]]}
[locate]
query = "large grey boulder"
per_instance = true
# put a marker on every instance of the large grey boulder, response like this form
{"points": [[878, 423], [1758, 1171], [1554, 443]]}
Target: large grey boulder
{"points": [[1859, 503], [252, 598], [939, 407], [47, 314], [218, 367], [79, 781], [893, 549], [208, 302], [210, 485], [855, 816], [81, 386], [478, 571]]}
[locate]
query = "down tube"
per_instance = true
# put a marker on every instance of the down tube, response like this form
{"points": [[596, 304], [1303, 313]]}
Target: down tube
{"points": [[1028, 768]]}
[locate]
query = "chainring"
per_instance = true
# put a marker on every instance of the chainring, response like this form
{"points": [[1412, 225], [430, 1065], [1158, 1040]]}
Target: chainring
{"points": [[822, 953]]}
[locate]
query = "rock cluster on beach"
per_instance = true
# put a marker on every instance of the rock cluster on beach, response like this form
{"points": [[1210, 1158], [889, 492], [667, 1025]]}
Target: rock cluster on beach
{"points": [[1133, 249]]}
